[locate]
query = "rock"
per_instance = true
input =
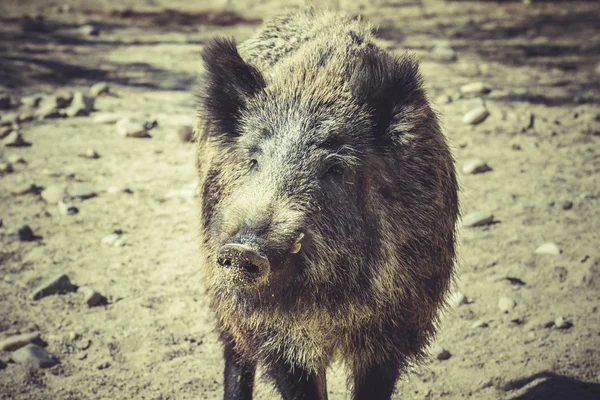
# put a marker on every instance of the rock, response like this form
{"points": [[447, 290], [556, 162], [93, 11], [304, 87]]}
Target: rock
{"points": [[457, 299], [25, 233], [90, 296], [132, 127], [11, 118], [103, 365], [15, 342], [28, 188], [66, 208], [81, 105], [439, 352], [53, 194], [32, 101], [478, 218], [506, 304], [443, 53], [61, 99], [475, 166], [474, 89], [58, 285], [106, 118], [549, 249], [476, 115], [185, 133], [110, 240], [6, 168], [48, 112], [479, 324], [566, 205], [562, 323], [35, 356], [15, 139], [89, 30], [5, 131], [91, 154], [99, 88], [5, 101], [16, 159], [26, 117], [82, 192], [443, 99]]}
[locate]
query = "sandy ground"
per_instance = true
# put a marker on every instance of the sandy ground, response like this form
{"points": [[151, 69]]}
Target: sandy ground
{"points": [[153, 336]]}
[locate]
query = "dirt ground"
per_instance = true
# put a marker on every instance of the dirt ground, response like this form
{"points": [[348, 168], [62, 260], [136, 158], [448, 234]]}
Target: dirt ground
{"points": [[153, 336]]}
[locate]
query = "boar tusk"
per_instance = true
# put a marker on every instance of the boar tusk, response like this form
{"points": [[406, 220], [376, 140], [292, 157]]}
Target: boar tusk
{"points": [[298, 244]]}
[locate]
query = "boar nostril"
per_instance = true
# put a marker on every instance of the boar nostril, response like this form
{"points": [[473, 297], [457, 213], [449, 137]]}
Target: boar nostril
{"points": [[243, 261], [224, 262]]}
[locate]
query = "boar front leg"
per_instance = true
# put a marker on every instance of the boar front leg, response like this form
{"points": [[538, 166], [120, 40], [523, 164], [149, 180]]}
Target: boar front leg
{"points": [[238, 376], [375, 382], [295, 383]]}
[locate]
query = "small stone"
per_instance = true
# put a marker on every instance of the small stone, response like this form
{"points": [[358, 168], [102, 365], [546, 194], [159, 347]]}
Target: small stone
{"points": [[476, 116], [25, 233], [5, 101], [120, 242], [5, 131], [90, 296], [62, 98], [15, 139], [81, 105], [35, 356], [106, 118], [81, 192], [15, 342], [132, 127], [103, 365], [549, 249], [478, 218], [57, 285], [476, 166], [32, 101], [457, 299], [443, 53], [16, 159], [91, 154], [11, 118], [6, 168], [506, 304], [475, 89], [26, 117], [566, 205], [443, 99], [53, 194], [439, 352], [562, 323], [479, 324], [185, 133], [89, 30], [99, 88], [27, 188], [110, 240], [66, 208], [48, 111]]}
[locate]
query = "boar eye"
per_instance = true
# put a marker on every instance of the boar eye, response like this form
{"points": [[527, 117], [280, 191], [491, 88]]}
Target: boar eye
{"points": [[334, 171], [253, 164]]}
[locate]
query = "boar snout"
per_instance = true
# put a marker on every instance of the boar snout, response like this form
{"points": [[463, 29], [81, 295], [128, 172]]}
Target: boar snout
{"points": [[244, 264]]}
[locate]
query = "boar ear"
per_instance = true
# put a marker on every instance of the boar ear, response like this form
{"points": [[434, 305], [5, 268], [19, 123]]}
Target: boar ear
{"points": [[391, 88], [229, 82]]}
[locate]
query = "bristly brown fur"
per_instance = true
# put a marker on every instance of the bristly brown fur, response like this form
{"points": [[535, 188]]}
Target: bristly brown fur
{"points": [[309, 94]]}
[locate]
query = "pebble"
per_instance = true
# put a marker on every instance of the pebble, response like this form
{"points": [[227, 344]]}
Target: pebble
{"points": [[103, 365], [59, 284], [91, 297], [81, 192], [475, 166], [566, 205], [476, 115], [66, 208], [91, 154], [457, 299], [106, 118], [4, 101], [443, 99], [25, 233], [89, 30], [562, 323], [11, 118], [5, 130], [48, 111], [479, 324], [32, 101], [36, 356], [478, 218], [132, 127], [15, 139], [443, 53], [110, 240], [506, 304], [53, 194], [475, 89], [439, 352], [549, 249], [25, 189], [16, 159], [81, 105], [185, 133], [15, 342], [99, 88], [60, 99], [6, 168], [26, 117]]}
